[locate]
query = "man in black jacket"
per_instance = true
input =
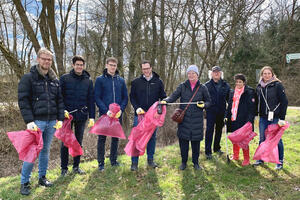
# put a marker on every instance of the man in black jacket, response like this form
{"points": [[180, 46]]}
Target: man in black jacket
{"points": [[41, 104], [78, 94], [219, 92], [145, 91]]}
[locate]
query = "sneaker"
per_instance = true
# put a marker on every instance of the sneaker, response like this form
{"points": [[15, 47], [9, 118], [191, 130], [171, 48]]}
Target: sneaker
{"points": [[152, 164], [25, 188], [197, 167], [278, 167], [64, 172], [77, 170], [101, 168], [134, 167], [182, 166], [219, 152], [258, 162], [44, 182], [208, 156]]}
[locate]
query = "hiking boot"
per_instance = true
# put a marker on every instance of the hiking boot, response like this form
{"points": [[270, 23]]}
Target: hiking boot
{"points": [[258, 162], [101, 168], [44, 182], [134, 167], [197, 167], [182, 166], [77, 170], [152, 164], [25, 189], [64, 172], [115, 164]]}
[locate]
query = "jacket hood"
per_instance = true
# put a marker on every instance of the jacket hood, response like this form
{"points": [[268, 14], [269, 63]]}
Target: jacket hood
{"points": [[36, 70], [105, 73]]}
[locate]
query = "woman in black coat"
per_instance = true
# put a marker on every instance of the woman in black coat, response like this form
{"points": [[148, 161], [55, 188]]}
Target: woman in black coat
{"points": [[191, 128], [240, 110]]}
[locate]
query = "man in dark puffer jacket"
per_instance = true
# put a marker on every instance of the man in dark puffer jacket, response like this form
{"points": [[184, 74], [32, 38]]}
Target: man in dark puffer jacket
{"points": [[41, 104], [78, 93]]}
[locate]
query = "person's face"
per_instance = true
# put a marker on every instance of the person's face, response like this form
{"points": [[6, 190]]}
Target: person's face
{"points": [[111, 67], [192, 76], [146, 70], [216, 75], [239, 84], [45, 61], [266, 75], [78, 67]]}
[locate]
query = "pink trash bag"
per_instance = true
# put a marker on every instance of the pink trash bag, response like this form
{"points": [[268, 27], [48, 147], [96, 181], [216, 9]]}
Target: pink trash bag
{"points": [[268, 150], [109, 126], [242, 136], [67, 136], [28, 144], [141, 134]]}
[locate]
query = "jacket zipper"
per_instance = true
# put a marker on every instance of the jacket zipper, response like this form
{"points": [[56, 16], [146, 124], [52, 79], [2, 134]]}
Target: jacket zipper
{"points": [[47, 91], [112, 78]]}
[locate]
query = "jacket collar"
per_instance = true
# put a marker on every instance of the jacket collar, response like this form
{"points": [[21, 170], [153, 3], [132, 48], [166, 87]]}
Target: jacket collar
{"points": [[84, 74], [36, 70], [105, 73]]}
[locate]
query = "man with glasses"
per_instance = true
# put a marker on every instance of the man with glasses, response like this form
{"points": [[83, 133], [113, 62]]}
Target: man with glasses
{"points": [[145, 91], [41, 104], [110, 88], [78, 94]]}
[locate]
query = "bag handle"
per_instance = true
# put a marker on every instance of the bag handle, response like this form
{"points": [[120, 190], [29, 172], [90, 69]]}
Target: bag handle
{"points": [[190, 100]]}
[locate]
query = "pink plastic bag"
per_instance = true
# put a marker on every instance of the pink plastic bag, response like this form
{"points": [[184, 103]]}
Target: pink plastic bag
{"points": [[141, 134], [242, 136], [109, 126], [66, 135], [28, 144], [268, 150]]}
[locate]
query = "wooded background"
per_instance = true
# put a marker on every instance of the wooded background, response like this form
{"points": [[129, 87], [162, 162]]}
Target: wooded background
{"points": [[241, 36]]}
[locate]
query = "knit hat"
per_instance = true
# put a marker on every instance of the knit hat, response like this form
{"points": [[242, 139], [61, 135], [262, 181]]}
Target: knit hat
{"points": [[193, 68]]}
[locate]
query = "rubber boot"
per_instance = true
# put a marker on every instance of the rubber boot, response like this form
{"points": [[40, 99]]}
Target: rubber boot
{"points": [[246, 157], [236, 152]]}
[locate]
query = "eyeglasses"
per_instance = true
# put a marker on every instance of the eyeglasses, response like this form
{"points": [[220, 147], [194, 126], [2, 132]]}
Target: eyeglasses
{"points": [[146, 69], [46, 59]]}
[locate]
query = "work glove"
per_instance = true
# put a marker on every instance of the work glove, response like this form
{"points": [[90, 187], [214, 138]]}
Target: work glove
{"points": [[110, 114], [118, 115], [163, 102], [281, 123], [140, 111], [91, 122], [200, 104], [32, 126], [67, 114], [58, 125]]}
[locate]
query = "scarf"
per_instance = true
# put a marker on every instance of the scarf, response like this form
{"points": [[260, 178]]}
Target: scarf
{"points": [[193, 84], [235, 102], [264, 84]]}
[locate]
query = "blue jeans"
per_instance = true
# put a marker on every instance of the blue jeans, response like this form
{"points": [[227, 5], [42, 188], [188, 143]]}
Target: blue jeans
{"points": [[150, 145], [263, 125], [48, 132]]}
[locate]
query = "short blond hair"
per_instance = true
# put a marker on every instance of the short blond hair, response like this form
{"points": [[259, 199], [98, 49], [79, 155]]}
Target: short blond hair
{"points": [[43, 50], [111, 59]]}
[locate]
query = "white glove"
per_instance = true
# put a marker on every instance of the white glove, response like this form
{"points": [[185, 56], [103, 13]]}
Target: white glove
{"points": [[32, 126], [281, 123], [109, 113], [140, 111]]}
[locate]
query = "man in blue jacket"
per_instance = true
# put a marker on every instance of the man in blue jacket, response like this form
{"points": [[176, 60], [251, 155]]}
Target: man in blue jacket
{"points": [[110, 88], [145, 91], [41, 105], [219, 92], [78, 93]]}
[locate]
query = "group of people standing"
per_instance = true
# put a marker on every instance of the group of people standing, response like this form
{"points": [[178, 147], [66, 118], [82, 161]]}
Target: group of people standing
{"points": [[45, 101]]}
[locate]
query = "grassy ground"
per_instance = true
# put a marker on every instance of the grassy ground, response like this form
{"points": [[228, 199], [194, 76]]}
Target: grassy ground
{"points": [[218, 180]]}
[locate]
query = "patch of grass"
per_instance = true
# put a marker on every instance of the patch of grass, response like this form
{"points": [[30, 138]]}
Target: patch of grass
{"points": [[217, 180]]}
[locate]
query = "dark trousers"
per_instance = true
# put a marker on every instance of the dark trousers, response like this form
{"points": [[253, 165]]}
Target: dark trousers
{"points": [[184, 150], [113, 149], [214, 123], [64, 154]]}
